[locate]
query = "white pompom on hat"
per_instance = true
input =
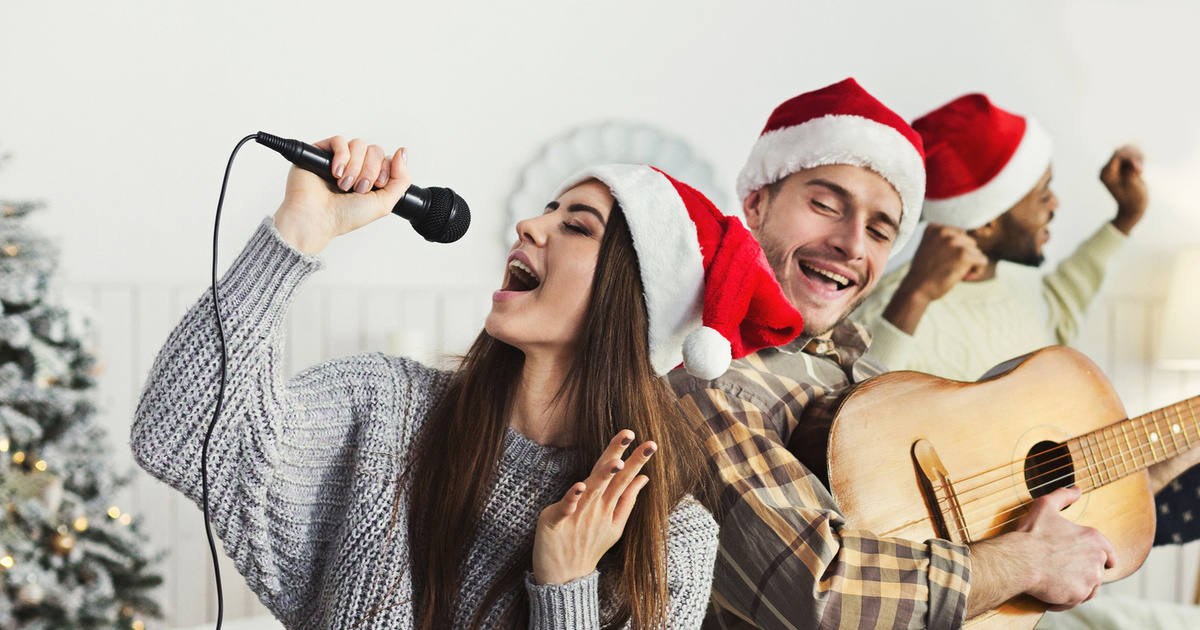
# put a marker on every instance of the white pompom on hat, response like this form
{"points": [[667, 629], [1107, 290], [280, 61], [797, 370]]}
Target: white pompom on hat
{"points": [[710, 295]]}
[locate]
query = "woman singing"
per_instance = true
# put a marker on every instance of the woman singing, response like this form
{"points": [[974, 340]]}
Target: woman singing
{"points": [[547, 482]]}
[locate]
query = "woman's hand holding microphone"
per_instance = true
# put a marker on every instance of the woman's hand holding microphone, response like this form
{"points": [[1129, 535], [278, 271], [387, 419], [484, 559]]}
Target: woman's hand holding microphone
{"points": [[312, 213], [573, 534]]}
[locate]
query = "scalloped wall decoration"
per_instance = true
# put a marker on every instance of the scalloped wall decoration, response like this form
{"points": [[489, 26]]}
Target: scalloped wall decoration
{"points": [[603, 143]]}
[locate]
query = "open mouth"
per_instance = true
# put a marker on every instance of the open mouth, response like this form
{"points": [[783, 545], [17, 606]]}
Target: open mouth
{"points": [[833, 280], [520, 277]]}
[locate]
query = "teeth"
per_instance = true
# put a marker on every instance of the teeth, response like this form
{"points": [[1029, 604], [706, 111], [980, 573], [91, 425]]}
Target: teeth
{"points": [[516, 264], [836, 277]]}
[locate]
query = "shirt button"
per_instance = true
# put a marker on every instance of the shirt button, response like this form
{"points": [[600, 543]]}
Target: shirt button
{"points": [[822, 348]]}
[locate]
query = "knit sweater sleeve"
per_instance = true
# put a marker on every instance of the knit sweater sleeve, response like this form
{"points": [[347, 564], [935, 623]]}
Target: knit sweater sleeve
{"points": [[897, 349], [283, 458], [1073, 285], [692, 538]]}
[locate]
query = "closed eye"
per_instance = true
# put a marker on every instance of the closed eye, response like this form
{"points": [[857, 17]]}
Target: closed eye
{"points": [[822, 207], [578, 229]]}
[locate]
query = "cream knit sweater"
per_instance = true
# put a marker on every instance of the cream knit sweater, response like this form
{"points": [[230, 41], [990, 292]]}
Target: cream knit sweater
{"points": [[978, 325]]}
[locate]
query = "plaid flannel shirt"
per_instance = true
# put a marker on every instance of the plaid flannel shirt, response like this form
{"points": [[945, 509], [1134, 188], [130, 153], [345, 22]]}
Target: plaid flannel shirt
{"points": [[787, 558]]}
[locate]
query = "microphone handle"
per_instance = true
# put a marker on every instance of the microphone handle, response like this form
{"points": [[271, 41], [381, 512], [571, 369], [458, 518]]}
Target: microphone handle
{"points": [[412, 206]]}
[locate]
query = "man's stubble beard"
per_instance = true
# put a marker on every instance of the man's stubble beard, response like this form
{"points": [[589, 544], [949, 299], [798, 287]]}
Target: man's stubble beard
{"points": [[780, 262], [1017, 245]]}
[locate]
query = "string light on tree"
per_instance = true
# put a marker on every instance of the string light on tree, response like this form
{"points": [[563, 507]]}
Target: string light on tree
{"points": [[63, 543]]}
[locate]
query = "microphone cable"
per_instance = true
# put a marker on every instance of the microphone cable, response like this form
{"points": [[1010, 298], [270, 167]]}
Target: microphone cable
{"points": [[440, 216], [212, 545]]}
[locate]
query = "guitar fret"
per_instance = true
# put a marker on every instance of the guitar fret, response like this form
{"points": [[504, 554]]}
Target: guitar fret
{"points": [[1105, 474], [1163, 427], [1151, 439], [1176, 427], [1193, 416], [1129, 445], [1165, 431], [1081, 443], [1118, 435], [1118, 458], [1094, 473], [1186, 440], [1162, 438]]}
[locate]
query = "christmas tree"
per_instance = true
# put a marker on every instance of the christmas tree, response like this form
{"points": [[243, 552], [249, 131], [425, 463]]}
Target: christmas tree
{"points": [[68, 558]]}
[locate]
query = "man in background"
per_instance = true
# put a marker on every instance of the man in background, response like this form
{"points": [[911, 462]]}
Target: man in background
{"points": [[973, 295]]}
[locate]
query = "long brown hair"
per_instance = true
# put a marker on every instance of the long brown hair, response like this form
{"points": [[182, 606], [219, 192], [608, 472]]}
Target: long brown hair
{"points": [[610, 386]]}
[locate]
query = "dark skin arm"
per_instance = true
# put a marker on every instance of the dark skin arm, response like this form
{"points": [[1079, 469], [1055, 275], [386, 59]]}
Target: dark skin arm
{"points": [[1122, 176]]}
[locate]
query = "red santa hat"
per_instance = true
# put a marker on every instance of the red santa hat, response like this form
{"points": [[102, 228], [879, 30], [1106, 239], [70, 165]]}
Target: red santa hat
{"points": [[840, 124], [711, 296], [981, 160]]}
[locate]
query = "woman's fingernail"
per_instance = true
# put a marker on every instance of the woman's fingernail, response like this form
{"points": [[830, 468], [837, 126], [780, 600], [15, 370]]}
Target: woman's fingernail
{"points": [[362, 186], [384, 176], [649, 451], [616, 469], [345, 183], [626, 441], [404, 155], [578, 492], [338, 170]]}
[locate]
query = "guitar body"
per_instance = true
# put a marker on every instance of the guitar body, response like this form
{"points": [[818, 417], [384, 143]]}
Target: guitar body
{"points": [[977, 431]]}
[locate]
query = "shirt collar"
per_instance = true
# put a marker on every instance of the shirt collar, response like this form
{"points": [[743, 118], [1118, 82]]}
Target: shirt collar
{"points": [[844, 344]]}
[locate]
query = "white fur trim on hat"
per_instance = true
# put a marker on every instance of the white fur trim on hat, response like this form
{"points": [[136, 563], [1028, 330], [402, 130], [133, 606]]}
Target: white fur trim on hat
{"points": [[1019, 176], [841, 139], [668, 250], [706, 353]]}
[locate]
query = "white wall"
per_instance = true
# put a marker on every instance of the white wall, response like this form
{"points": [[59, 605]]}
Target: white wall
{"points": [[121, 114]]}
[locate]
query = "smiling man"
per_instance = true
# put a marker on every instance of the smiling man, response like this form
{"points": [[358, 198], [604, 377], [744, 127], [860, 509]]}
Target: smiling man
{"points": [[833, 185]]}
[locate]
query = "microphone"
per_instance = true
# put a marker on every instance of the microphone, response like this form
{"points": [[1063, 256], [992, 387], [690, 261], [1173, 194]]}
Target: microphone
{"points": [[439, 215]]}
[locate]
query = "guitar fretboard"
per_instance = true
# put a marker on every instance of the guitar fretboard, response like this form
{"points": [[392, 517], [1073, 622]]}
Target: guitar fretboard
{"points": [[1131, 445]]}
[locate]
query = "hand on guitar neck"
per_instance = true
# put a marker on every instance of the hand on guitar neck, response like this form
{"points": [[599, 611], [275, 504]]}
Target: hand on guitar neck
{"points": [[1164, 473], [1048, 557]]}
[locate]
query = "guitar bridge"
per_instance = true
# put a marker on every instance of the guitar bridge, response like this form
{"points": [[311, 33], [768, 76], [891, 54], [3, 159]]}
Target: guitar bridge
{"points": [[939, 493]]}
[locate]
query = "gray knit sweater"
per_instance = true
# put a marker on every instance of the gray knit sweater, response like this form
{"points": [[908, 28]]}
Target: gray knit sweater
{"points": [[302, 475]]}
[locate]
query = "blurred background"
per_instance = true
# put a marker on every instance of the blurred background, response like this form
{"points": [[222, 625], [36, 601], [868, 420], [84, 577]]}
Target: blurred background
{"points": [[120, 116]]}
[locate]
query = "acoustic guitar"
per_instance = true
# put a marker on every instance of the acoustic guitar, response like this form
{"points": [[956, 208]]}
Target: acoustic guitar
{"points": [[914, 456]]}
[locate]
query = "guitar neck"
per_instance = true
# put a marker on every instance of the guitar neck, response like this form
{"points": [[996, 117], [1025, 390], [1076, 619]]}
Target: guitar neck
{"points": [[1126, 447]]}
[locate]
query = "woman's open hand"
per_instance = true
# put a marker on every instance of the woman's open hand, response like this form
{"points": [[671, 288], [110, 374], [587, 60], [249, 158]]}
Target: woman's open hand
{"points": [[574, 533], [312, 213]]}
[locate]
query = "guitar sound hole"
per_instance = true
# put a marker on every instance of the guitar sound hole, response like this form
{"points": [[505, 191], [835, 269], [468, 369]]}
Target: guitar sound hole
{"points": [[1048, 467]]}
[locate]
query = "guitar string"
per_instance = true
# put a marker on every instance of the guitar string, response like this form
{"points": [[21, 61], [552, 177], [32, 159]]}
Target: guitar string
{"points": [[1003, 466], [1119, 452], [1091, 471], [1092, 474], [965, 526]]}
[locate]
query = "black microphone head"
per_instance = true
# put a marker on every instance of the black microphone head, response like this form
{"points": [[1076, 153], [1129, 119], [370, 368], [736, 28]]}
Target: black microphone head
{"points": [[447, 218]]}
